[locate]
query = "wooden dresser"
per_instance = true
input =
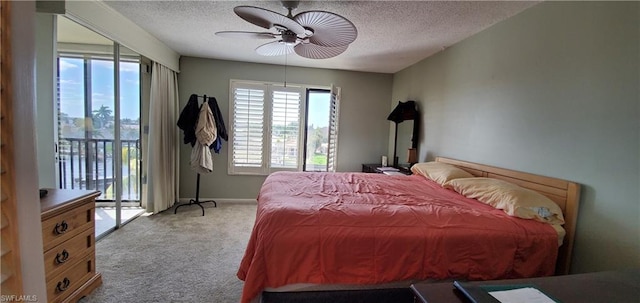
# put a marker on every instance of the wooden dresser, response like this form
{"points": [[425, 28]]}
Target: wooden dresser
{"points": [[68, 234]]}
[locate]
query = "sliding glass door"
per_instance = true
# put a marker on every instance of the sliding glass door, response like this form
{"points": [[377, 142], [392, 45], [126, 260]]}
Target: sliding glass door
{"points": [[99, 121], [129, 88]]}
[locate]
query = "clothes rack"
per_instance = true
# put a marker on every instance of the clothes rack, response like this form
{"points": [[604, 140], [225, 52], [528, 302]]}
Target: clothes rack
{"points": [[197, 201]]}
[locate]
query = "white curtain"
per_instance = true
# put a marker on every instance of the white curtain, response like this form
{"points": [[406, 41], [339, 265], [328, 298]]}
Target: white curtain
{"points": [[163, 148]]}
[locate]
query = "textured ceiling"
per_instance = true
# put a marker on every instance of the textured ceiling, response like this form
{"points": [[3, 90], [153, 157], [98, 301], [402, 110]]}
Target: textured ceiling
{"points": [[391, 34]]}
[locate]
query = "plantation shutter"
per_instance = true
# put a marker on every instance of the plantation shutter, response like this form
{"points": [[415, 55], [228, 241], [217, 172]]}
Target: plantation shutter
{"points": [[267, 127], [11, 271], [248, 128], [332, 146], [285, 127]]}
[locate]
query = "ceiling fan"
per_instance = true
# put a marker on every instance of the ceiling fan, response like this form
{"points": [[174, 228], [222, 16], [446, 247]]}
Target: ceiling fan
{"points": [[310, 34]]}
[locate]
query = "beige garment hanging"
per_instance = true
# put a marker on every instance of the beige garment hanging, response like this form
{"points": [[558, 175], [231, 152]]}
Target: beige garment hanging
{"points": [[206, 132]]}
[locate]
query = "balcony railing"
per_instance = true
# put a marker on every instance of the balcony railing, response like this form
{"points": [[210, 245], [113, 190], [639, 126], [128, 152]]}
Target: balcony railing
{"points": [[88, 164]]}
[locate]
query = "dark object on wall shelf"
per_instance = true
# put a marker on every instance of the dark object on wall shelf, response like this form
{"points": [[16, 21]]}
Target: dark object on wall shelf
{"points": [[43, 193], [405, 111]]}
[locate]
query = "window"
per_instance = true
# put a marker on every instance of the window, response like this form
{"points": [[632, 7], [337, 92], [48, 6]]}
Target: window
{"points": [[267, 127], [321, 130]]}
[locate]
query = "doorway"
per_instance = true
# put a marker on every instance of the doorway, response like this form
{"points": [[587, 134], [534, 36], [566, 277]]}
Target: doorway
{"points": [[98, 122]]}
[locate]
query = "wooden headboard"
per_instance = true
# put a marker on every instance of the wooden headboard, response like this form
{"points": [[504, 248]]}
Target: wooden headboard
{"points": [[565, 193]]}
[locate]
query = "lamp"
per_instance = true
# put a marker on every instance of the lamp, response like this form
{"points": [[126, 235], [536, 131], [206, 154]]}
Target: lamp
{"points": [[403, 111]]}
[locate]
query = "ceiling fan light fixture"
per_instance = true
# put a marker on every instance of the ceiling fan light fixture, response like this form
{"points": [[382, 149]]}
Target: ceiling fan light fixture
{"points": [[311, 34], [289, 37]]}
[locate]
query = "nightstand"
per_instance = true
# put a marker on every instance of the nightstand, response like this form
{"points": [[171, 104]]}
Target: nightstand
{"points": [[376, 168], [371, 168]]}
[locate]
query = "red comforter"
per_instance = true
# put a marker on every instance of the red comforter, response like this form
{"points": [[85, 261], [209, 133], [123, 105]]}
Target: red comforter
{"points": [[356, 228]]}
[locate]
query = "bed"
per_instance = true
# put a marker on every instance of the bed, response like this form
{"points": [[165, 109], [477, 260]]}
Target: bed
{"points": [[374, 229]]}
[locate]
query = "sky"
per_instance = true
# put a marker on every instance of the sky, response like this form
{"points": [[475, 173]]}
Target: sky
{"points": [[72, 82], [318, 109]]}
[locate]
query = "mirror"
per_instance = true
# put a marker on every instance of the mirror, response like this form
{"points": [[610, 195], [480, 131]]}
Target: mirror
{"points": [[406, 118], [405, 134]]}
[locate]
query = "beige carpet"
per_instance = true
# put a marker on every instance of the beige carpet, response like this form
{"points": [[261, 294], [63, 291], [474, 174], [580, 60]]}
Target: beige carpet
{"points": [[176, 258]]}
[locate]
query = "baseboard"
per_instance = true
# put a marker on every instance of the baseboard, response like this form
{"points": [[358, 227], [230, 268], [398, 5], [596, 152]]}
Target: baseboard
{"points": [[222, 200]]}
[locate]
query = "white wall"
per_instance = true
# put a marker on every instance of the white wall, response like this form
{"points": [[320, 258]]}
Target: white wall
{"points": [[363, 129], [551, 91]]}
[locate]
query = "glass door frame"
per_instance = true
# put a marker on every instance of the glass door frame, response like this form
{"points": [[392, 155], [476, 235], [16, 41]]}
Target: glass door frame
{"points": [[117, 155]]}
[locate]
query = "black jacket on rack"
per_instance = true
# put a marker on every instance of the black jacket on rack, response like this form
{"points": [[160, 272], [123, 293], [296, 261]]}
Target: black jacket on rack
{"points": [[220, 127], [188, 119]]}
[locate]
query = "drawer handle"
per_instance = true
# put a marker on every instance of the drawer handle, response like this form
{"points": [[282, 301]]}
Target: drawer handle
{"points": [[63, 285], [61, 228], [62, 257]]}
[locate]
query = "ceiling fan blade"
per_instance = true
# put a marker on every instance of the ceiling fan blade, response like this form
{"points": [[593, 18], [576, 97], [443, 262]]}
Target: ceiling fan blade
{"points": [[329, 29], [240, 34], [313, 51], [267, 19], [275, 48]]}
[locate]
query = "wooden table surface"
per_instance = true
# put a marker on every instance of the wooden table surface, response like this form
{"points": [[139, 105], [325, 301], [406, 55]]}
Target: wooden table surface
{"points": [[56, 200]]}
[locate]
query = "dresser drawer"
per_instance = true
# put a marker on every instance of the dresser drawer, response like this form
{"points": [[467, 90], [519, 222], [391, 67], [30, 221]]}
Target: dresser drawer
{"points": [[65, 283], [61, 257], [65, 226]]}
